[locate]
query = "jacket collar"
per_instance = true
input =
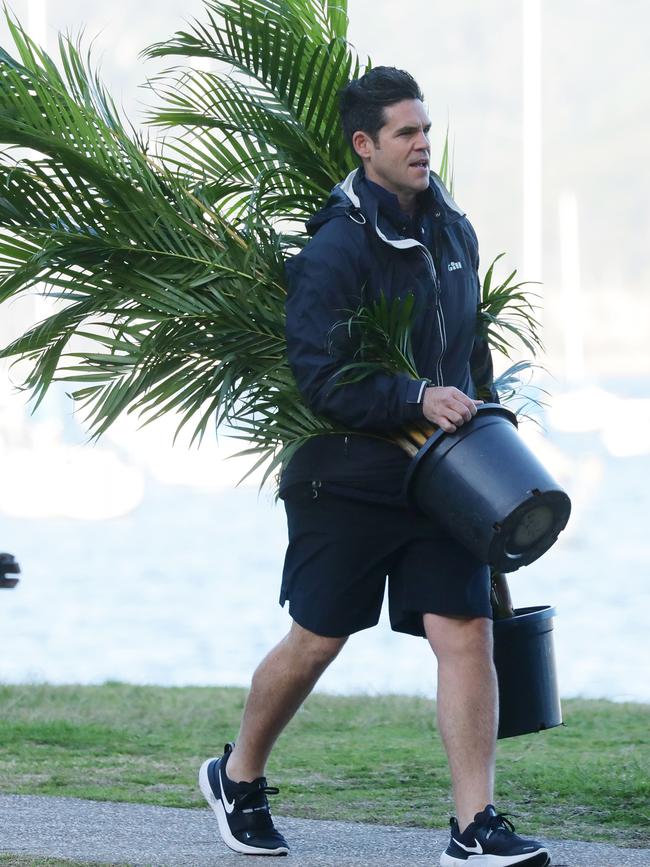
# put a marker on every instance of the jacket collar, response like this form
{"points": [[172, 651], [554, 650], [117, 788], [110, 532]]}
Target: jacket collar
{"points": [[354, 199], [390, 211], [362, 200]]}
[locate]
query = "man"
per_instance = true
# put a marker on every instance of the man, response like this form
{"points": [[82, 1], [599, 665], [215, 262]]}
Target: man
{"points": [[390, 228]]}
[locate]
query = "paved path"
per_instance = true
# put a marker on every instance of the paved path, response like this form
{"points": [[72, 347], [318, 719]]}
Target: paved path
{"points": [[164, 837]]}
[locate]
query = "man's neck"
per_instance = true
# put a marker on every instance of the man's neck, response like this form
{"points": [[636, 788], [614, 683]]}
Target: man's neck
{"points": [[407, 204], [407, 201], [394, 200]]}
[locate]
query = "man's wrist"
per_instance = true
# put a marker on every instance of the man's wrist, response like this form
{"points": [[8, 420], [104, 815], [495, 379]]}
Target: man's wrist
{"points": [[415, 397]]}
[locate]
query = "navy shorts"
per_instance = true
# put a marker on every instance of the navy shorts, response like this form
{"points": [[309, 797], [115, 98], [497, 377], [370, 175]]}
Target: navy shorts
{"points": [[342, 550]]}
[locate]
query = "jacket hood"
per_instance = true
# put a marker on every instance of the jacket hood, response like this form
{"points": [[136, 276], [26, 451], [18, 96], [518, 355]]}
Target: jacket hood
{"points": [[342, 201]]}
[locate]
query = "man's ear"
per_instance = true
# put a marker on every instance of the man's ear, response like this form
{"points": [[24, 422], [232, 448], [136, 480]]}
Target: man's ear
{"points": [[362, 144]]}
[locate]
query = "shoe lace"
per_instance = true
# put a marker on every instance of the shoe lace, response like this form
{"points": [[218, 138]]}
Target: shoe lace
{"points": [[256, 796], [500, 821]]}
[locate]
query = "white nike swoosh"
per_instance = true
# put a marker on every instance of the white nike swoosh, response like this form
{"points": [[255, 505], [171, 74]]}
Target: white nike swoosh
{"points": [[229, 806], [478, 849]]}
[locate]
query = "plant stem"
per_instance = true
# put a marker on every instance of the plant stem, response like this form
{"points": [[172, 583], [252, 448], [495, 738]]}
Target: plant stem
{"points": [[500, 597], [404, 443]]}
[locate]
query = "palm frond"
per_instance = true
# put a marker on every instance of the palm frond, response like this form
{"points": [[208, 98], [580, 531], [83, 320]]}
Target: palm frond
{"points": [[287, 61], [382, 330], [147, 271], [518, 392], [139, 267], [507, 315], [446, 170]]}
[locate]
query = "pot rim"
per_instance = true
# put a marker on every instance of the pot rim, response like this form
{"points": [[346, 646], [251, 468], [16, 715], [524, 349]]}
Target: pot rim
{"points": [[439, 435], [530, 614]]}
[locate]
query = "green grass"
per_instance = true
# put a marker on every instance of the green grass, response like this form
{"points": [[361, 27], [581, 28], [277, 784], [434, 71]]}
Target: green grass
{"points": [[370, 759]]}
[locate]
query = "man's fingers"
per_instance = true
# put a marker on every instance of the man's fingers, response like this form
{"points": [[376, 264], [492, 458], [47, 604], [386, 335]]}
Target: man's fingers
{"points": [[464, 410], [449, 407]]}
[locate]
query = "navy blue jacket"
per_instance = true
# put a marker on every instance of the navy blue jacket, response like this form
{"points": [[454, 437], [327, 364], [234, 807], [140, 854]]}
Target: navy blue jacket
{"points": [[356, 253]]}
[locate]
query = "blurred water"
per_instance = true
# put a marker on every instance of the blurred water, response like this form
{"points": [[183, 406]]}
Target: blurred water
{"points": [[183, 589]]}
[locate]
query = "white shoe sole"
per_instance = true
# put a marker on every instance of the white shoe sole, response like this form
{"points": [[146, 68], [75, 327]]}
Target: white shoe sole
{"points": [[491, 860], [224, 829]]}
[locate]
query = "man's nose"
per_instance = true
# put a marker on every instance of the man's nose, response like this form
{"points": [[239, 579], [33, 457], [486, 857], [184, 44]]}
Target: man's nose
{"points": [[422, 141]]}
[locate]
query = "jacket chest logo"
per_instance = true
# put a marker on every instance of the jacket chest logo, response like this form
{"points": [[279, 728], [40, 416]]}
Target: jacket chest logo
{"points": [[454, 266]]}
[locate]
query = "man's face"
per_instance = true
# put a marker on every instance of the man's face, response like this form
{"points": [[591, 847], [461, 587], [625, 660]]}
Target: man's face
{"points": [[399, 159]]}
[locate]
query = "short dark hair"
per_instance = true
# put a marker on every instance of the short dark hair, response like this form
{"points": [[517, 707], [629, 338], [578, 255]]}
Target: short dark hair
{"points": [[362, 101]]}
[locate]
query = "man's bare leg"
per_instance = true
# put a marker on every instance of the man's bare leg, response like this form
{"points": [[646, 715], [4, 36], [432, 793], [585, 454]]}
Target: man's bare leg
{"points": [[281, 683], [467, 707]]}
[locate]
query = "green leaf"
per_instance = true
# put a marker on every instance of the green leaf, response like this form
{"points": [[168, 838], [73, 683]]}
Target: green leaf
{"points": [[506, 312]]}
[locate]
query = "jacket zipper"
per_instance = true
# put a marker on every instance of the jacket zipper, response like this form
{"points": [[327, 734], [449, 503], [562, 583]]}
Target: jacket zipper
{"points": [[440, 318]]}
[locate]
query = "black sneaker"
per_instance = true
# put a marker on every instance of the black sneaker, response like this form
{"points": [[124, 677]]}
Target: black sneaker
{"points": [[490, 841], [242, 810]]}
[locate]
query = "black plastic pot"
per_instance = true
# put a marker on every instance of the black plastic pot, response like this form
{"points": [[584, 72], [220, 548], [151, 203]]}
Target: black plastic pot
{"points": [[524, 658], [489, 490]]}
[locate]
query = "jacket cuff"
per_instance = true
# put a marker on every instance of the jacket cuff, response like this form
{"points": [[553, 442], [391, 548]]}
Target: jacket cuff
{"points": [[414, 399]]}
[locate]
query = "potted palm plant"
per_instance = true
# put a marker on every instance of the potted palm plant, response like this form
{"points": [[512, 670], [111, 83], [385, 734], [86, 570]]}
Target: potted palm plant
{"points": [[165, 260]]}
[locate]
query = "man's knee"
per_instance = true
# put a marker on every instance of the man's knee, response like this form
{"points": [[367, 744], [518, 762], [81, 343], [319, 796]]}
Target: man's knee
{"points": [[314, 650], [454, 636]]}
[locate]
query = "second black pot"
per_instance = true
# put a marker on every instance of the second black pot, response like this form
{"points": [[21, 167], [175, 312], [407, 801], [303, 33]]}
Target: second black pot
{"points": [[524, 658]]}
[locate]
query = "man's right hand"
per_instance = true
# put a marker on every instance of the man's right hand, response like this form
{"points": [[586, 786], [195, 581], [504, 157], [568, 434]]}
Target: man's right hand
{"points": [[448, 407]]}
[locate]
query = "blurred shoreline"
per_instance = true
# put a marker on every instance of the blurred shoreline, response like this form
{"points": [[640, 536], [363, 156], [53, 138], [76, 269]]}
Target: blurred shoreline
{"points": [[179, 584]]}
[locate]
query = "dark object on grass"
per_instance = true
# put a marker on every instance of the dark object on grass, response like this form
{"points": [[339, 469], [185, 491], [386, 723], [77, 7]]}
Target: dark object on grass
{"points": [[524, 658], [489, 490], [8, 566]]}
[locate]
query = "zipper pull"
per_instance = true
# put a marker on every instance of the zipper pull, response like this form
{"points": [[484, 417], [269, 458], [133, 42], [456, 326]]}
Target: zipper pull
{"points": [[315, 485]]}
